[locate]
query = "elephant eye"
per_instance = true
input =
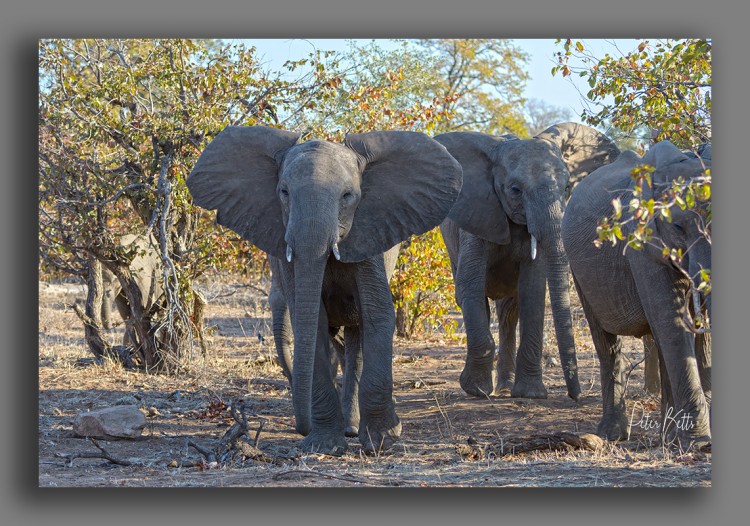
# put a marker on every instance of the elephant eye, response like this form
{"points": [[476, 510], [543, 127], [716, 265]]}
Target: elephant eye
{"points": [[284, 192], [515, 190]]}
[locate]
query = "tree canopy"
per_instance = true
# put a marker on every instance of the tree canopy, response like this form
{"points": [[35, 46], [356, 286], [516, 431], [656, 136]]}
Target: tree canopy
{"points": [[664, 85]]}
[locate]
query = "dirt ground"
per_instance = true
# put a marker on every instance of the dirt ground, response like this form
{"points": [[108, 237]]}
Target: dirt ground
{"points": [[448, 438]]}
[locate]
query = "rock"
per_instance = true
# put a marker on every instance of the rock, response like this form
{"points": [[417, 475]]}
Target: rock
{"points": [[127, 400], [122, 421]]}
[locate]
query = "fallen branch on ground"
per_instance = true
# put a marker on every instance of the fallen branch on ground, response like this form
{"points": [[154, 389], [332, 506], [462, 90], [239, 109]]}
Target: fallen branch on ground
{"points": [[230, 445], [88, 454], [472, 450], [310, 473]]}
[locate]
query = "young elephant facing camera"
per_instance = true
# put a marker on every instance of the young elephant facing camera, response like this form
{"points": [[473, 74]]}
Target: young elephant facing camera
{"points": [[328, 212]]}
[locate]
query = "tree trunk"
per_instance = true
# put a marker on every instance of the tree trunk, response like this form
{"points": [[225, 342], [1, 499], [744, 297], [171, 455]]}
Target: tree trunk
{"points": [[93, 324], [402, 322]]}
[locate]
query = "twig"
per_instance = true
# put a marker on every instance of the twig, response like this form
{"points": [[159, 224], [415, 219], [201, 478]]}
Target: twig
{"points": [[311, 473], [257, 433], [228, 442]]}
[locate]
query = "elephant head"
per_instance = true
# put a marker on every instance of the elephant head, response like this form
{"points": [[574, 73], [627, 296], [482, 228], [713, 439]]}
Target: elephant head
{"points": [[526, 182], [304, 203], [687, 230]]}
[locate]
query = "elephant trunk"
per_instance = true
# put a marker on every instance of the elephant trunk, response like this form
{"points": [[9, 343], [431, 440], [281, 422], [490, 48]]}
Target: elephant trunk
{"points": [[558, 275], [699, 258], [310, 245]]}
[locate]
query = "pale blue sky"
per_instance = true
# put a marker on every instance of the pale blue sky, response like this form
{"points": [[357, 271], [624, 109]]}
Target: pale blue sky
{"points": [[557, 91]]}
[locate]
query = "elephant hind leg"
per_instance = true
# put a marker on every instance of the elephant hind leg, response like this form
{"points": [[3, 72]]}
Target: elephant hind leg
{"points": [[613, 424], [651, 380], [507, 315], [352, 375]]}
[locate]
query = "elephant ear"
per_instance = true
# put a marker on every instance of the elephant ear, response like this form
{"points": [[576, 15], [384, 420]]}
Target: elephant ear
{"points": [[409, 183], [478, 209], [584, 149], [237, 175]]}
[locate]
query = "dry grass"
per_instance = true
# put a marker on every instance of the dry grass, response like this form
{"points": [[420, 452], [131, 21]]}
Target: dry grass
{"points": [[440, 422]]}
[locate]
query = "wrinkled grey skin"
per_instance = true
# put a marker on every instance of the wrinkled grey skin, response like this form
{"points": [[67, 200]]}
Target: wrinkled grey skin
{"points": [[651, 374], [513, 190], [147, 271], [327, 212], [345, 349], [639, 292]]}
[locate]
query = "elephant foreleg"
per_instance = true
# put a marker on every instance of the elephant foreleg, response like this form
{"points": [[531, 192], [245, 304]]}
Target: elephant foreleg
{"points": [[507, 316], [327, 430], [282, 330], [531, 291], [476, 377], [663, 296], [379, 425], [703, 355]]}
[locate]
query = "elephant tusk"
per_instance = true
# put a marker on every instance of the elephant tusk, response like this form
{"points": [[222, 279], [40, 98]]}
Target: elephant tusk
{"points": [[335, 251], [289, 253], [533, 247]]}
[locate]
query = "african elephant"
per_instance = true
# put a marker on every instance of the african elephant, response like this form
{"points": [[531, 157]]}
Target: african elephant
{"points": [[345, 350], [327, 212], [147, 271], [510, 208], [640, 292]]}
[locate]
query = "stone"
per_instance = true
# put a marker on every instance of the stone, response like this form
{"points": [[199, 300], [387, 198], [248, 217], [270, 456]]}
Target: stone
{"points": [[122, 421]]}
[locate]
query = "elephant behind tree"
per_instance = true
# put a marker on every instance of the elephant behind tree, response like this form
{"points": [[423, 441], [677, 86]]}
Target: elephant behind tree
{"points": [[640, 292], [503, 240], [328, 212], [147, 271], [344, 350]]}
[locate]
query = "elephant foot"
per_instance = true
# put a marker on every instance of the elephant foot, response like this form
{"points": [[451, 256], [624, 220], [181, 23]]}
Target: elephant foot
{"points": [[684, 434], [477, 381], [528, 388], [326, 442], [504, 387], [613, 427], [376, 434], [684, 442]]}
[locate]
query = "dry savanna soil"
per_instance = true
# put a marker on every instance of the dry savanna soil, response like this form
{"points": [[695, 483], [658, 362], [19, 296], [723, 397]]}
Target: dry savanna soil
{"points": [[448, 438]]}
